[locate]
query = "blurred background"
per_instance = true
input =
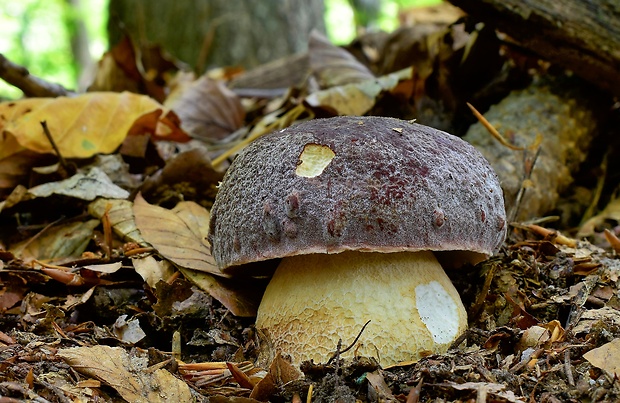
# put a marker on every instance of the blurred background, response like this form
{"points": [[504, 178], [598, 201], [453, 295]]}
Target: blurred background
{"points": [[62, 40]]}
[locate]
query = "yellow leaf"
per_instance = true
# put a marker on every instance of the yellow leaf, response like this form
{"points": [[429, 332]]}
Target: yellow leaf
{"points": [[81, 126]]}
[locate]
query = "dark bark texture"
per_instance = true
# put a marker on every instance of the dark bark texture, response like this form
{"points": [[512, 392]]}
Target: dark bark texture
{"points": [[219, 32], [580, 35]]}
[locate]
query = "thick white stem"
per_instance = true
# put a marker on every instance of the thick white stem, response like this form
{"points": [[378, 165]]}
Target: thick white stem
{"points": [[315, 300]]}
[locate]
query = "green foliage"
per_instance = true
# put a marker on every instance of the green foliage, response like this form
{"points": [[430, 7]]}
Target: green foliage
{"points": [[340, 17], [37, 34]]}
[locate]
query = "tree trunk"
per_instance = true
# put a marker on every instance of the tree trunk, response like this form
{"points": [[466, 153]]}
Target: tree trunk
{"points": [[210, 33], [579, 35]]}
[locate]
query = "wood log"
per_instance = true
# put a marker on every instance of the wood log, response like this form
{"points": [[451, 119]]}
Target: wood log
{"points": [[580, 35]]}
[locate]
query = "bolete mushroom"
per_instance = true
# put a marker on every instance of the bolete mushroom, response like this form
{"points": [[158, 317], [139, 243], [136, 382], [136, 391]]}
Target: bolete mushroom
{"points": [[360, 210]]}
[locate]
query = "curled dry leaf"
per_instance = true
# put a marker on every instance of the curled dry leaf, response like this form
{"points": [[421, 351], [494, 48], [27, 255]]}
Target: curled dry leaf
{"points": [[180, 235], [333, 66], [209, 111], [84, 125]]}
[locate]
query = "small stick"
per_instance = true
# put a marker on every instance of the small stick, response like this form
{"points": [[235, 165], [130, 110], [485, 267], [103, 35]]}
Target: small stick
{"points": [[567, 368], [613, 240], [309, 396], [107, 232], [414, 393], [492, 129], [338, 351], [61, 159]]}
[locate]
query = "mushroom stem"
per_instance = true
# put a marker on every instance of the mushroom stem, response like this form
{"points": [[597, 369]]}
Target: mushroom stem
{"points": [[313, 301]]}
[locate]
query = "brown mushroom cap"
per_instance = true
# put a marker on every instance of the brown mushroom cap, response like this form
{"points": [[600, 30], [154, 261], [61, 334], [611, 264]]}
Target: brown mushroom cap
{"points": [[356, 183]]}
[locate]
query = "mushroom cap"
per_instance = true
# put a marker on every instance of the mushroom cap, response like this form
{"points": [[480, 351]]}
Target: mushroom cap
{"points": [[356, 183]]}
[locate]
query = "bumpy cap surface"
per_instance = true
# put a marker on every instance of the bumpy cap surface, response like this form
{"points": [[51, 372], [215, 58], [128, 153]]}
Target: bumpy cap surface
{"points": [[356, 183]]}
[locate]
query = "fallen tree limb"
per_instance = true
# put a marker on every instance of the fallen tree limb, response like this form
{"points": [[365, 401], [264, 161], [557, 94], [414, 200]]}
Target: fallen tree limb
{"points": [[32, 86], [579, 35]]}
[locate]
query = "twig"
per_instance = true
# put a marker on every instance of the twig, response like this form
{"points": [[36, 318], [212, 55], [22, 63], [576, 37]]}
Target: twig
{"points": [[492, 129], [68, 170], [338, 351], [567, 368], [526, 182], [32, 86], [414, 393], [309, 396]]}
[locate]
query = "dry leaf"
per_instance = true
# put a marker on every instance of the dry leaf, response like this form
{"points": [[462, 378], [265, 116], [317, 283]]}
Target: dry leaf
{"points": [[606, 357], [128, 331], [334, 66], [128, 374], [356, 99], [121, 218], [191, 168], [208, 110], [381, 390], [16, 168], [107, 268], [57, 242], [241, 298], [280, 373], [152, 270], [610, 212], [179, 235], [85, 186], [81, 126]]}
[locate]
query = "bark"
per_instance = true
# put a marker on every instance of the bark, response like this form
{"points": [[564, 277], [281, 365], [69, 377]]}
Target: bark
{"points": [[579, 35], [219, 32]]}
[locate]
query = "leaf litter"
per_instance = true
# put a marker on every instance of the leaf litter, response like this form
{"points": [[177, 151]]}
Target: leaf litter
{"points": [[108, 290]]}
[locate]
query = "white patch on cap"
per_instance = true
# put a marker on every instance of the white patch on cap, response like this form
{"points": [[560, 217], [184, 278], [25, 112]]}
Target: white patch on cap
{"points": [[313, 160], [438, 311]]}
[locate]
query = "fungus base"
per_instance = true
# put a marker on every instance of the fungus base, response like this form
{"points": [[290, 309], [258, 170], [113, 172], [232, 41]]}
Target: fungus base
{"points": [[315, 300]]}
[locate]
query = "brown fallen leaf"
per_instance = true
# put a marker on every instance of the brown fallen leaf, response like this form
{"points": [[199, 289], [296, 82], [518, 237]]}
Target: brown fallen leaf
{"points": [[380, 389], [606, 357], [16, 168], [240, 297], [179, 235], [209, 111], [81, 126], [333, 66], [190, 169], [127, 373], [280, 373]]}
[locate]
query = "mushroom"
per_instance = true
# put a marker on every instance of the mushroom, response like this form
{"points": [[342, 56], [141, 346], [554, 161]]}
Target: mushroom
{"points": [[360, 210]]}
